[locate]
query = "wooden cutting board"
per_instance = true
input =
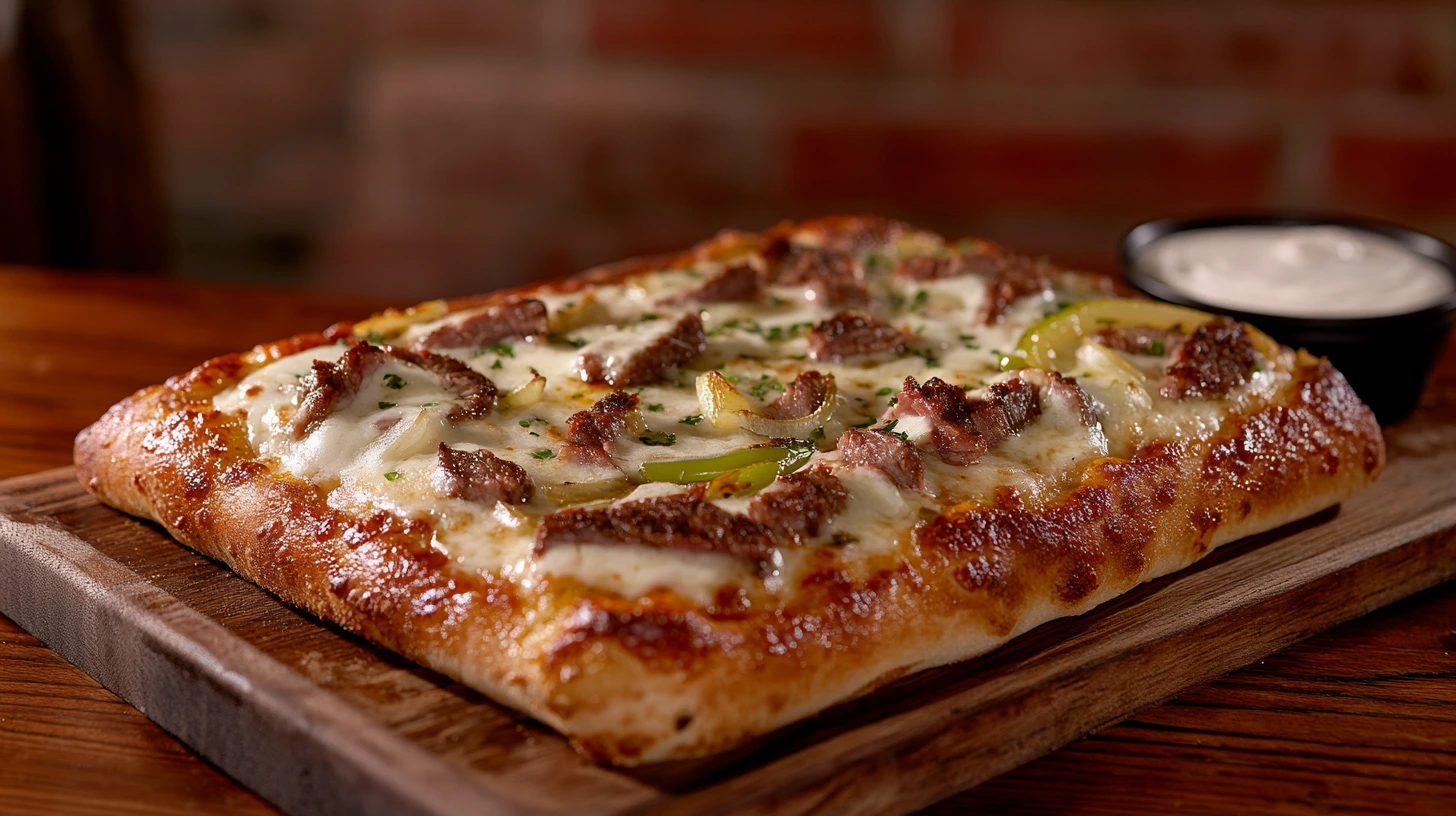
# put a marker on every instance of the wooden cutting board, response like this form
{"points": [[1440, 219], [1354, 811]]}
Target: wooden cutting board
{"points": [[318, 721]]}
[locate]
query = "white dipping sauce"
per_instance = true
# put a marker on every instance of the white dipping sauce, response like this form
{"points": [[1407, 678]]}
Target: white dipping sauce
{"points": [[1297, 271]]}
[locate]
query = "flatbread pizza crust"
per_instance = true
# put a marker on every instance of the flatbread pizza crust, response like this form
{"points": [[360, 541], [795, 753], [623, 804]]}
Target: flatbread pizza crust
{"points": [[661, 676]]}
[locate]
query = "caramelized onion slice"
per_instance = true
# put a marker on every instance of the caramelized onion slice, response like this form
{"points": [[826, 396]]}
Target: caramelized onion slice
{"points": [[526, 395], [391, 322], [719, 402], [726, 407]]}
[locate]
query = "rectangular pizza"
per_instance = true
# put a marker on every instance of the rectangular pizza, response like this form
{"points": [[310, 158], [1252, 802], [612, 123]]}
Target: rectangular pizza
{"points": [[672, 504]]}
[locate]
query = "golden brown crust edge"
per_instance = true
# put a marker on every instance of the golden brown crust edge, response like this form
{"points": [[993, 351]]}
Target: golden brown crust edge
{"points": [[655, 680]]}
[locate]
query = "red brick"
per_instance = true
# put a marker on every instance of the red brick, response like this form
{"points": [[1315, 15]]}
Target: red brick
{"points": [[752, 33], [961, 165], [1411, 174], [454, 24], [448, 135], [693, 157], [1282, 46]]}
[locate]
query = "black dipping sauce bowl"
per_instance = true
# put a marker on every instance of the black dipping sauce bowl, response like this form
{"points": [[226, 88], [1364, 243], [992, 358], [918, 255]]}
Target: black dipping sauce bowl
{"points": [[1385, 358]]}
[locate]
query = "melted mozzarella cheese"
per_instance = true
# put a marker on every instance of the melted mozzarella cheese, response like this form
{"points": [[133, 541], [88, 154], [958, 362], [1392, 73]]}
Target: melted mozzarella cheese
{"points": [[380, 450]]}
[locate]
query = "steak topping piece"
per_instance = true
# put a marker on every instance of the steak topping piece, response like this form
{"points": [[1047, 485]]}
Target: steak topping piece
{"points": [[513, 318], [833, 278], [1057, 386], [1217, 357], [476, 392], [332, 386], [481, 476], [684, 521], [962, 428], [591, 433], [797, 505], [1008, 275], [802, 397], [886, 452], [851, 334], [735, 284], [1140, 340], [644, 354]]}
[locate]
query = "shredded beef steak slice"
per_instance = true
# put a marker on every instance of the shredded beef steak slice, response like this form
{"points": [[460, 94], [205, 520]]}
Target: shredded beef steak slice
{"points": [[481, 476], [683, 342], [849, 335], [513, 318], [331, 386], [476, 391], [590, 433], [684, 521], [1140, 340], [797, 505], [740, 283], [885, 452], [801, 397], [1217, 357], [1064, 388], [964, 428], [1008, 275], [834, 277]]}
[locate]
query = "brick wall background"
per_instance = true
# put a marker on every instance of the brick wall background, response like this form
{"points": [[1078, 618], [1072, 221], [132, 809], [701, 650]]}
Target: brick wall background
{"points": [[416, 147]]}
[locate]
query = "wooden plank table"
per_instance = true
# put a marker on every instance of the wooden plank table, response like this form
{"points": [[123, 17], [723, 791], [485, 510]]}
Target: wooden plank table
{"points": [[1361, 719]]}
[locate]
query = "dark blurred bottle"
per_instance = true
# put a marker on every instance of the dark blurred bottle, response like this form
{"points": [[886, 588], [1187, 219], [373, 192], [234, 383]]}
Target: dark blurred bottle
{"points": [[79, 187]]}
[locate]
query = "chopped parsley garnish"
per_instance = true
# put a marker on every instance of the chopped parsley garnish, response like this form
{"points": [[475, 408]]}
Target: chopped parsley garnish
{"points": [[429, 405], [885, 392], [374, 337], [919, 300], [1157, 348], [866, 423], [544, 453], [817, 434], [525, 423], [391, 476], [890, 429], [655, 407], [646, 316], [570, 304], [874, 262], [496, 364], [533, 433], [775, 300], [502, 350], [658, 439], [1107, 321], [575, 342], [394, 381], [383, 405], [691, 419], [765, 383], [894, 401], [931, 361]]}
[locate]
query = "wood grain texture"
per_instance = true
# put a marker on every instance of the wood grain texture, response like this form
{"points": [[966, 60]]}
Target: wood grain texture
{"points": [[1358, 721], [353, 729]]}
